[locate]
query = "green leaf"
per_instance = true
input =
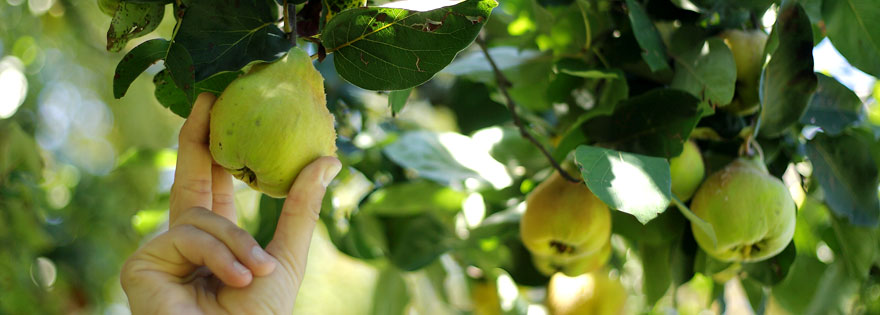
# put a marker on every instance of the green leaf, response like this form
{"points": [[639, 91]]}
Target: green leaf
{"points": [[391, 295], [136, 61], [656, 271], [396, 49], [133, 20], [270, 211], [632, 183], [359, 235], [854, 28], [796, 287], [416, 241], [774, 270], [397, 99], [447, 158], [179, 65], [834, 284], [834, 106], [653, 51], [757, 295], [695, 220], [662, 230], [172, 97], [788, 81], [707, 71], [844, 168], [412, 198], [856, 247], [655, 123], [226, 35]]}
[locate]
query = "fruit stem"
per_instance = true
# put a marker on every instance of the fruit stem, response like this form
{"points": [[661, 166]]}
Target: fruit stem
{"points": [[503, 84]]}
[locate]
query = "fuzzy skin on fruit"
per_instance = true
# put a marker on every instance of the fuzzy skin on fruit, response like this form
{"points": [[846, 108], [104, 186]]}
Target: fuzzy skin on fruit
{"points": [[751, 211], [594, 293], [687, 170], [564, 220], [572, 267], [272, 122]]}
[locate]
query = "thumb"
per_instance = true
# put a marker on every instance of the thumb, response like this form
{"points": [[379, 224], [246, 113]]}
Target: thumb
{"points": [[290, 244]]}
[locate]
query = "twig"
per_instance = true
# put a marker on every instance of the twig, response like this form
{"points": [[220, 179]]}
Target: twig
{"points": [[290, 29], [503, 84]]}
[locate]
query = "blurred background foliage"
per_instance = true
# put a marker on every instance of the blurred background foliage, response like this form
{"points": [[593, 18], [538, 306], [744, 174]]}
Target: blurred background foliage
{"points": [[84, 177]]}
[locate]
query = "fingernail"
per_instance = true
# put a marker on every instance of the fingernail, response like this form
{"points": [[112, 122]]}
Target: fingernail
{"points": [[259, 254], [329, 173], [240, 268]]}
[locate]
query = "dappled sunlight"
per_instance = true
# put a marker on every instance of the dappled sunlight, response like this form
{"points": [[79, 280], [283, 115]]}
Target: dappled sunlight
{"points": [[634, 178], [13, 86], [476, 158], [420, 5]]}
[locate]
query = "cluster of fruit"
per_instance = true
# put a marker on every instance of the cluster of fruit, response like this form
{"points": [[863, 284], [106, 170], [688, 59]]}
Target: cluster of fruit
{"points": [[567, 228]]}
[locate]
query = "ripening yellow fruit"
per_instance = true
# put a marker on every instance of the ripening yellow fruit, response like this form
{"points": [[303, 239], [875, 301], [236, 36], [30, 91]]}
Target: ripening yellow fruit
{"points": [[594, 293], [272, 122], [564, 220], [549, 265]]}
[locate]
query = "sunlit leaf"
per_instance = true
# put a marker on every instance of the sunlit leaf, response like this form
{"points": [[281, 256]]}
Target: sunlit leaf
{"points": [[636, 184]]}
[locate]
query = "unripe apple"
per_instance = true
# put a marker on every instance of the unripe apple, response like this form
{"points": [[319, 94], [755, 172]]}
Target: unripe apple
{"points": [[564, 220], [687, 171], [593, 293], [270, 123], [752, 213]]}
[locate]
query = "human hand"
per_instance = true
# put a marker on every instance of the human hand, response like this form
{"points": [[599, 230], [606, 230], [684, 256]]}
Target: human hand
{"points": [[205, 263]]}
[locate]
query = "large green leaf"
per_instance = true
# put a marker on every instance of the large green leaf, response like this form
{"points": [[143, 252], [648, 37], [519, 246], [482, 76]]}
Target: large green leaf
{"points": [[415, 241], [391, 295], [226, 35], [395, 49], [844, 167], [833, 107], [854, 28], [636, 184], [173, 98], [788, 81], [856, 246], [656, 271], [655, 123], [136, 61], [653, 50], [706, 70], [447, 158], [270, 211]]}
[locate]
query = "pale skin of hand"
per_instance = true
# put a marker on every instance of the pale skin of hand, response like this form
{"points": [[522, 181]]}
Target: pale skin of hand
{"points": [[205, 263]]}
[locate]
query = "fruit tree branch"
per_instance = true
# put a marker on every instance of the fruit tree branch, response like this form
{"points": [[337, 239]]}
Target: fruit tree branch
{"points": [[503, 84]]}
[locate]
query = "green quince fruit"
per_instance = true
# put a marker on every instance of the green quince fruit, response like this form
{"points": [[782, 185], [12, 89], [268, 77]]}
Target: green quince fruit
{"points": [[594, 293], [109, 7], [748, 52], [271, 122], [752, 213], [549, 265], [564, 220], [687, 170]]}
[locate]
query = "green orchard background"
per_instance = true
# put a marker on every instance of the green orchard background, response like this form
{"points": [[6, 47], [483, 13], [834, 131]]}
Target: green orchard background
{"points": [[427, 208]]}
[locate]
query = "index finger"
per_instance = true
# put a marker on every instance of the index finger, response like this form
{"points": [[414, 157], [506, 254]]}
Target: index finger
{"points": [[192, 177]]}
